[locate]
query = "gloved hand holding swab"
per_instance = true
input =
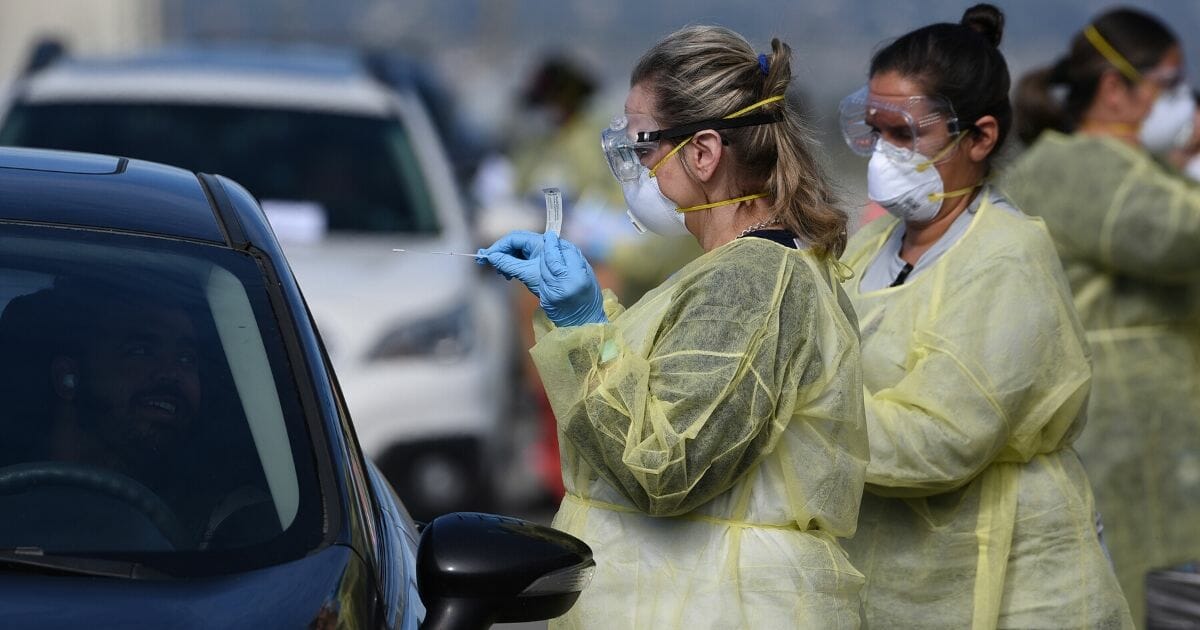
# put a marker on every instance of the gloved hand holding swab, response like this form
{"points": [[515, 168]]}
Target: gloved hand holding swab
{"points": [[553, 224]]}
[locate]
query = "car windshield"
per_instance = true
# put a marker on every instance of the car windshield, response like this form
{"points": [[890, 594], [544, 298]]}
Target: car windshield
{"points": [[148, 412], [354, 173]]}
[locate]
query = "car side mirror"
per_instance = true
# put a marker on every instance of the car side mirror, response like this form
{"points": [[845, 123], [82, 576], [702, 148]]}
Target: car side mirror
{"points": [[474, 570]]}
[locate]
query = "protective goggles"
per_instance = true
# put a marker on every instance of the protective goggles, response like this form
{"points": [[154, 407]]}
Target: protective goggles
{"points": [[629, 138], [911, 128]]}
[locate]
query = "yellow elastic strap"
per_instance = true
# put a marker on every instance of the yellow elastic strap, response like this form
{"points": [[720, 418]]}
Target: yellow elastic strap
{"points": [[765, 101], [954, 193], [706, 206], [924, 166], [654, 169], [1107, 51], [740, 112], [1117, 127]]}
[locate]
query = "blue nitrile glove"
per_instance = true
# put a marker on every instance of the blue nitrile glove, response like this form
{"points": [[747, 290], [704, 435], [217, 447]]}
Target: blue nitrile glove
{"points": [[516, 255], [569, 294]]}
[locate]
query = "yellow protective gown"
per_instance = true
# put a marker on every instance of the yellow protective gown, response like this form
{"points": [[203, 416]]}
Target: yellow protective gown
{"points": [[1128, 233], [713, 446], [977, 512]]}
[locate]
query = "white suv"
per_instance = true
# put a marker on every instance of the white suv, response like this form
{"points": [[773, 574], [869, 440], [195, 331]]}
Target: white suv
{"points": [[347, 169]]}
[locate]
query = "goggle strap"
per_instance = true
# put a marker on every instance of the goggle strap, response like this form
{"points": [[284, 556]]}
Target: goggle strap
{"points": [[715, 125], [1110, 54], [727, 202], [732, 121], [729, 122]]}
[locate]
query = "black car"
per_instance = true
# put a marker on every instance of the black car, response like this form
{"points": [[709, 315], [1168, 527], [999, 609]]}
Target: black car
{"points": [[174, 449]]}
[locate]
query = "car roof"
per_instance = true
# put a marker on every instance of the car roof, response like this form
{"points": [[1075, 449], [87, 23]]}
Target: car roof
{"points": [[104, 192], [293, 78]]}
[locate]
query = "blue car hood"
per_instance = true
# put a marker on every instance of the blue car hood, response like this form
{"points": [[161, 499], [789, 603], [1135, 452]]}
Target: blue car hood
{"points": [[331, 588]]}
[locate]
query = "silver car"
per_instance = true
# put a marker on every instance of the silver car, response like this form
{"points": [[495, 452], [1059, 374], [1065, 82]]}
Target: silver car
{"points": [[347, 169]]}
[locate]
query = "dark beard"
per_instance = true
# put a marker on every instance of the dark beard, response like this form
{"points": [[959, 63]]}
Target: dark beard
{"points": [[129, 449]]}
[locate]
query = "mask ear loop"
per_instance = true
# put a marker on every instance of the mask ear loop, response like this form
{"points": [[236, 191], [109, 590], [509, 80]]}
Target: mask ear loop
{"points": [[704, 206], [939, 156], [654, 169], [961, 192]]}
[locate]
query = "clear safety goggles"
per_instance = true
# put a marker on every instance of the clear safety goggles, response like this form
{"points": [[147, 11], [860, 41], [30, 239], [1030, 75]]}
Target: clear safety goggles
{"points": [[630, 138], [906, 129]]}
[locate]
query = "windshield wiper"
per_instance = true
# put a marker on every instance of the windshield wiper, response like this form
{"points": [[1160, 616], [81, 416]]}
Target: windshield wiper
{"points": [[34, 559]]}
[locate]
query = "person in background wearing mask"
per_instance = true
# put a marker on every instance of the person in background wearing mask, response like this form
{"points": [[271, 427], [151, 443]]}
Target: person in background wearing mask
{"points": [[712, 434], [1128, 231], [977, 512], [1186, 157], [554, 146]]}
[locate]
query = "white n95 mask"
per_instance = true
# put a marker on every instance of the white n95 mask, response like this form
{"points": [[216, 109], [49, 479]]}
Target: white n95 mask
{"points": [[905, 189], [650, 209], [912, 189], [1170, 122], [1192, 169]]}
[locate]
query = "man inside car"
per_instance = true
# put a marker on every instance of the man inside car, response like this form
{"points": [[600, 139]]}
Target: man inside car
{"points": [[112, 394], [126, 384]]}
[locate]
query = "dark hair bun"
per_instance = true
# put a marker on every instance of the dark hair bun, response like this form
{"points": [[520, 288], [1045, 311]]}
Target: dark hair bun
{"points": [[986, 20]]}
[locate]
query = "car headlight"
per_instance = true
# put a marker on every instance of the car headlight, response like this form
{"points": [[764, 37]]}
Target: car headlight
{"points": [[448, 336]]}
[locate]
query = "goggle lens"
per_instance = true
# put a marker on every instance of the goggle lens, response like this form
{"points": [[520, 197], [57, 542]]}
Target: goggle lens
{"points": [[622, 153]]}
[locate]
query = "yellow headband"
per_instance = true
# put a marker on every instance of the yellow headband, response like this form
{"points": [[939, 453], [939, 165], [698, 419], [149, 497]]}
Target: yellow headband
{"points": [[1107, 51]]}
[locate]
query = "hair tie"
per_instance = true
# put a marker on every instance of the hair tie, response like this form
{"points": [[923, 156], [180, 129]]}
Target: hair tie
{"points": [[762, 64]]}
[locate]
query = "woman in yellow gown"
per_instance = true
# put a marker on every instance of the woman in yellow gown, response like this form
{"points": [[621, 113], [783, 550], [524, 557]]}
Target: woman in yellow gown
{"points": [[977, 512]]}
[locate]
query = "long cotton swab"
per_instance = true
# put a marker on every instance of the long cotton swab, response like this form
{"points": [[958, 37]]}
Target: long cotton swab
{"points": [[413, 251]]}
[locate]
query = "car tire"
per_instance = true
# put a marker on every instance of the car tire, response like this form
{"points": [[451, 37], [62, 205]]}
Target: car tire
{"points": [[439, 476]]}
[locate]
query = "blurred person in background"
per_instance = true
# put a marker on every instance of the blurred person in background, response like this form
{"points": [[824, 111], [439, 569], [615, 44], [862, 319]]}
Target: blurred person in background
{"points": [[1187, 156], [556, 147], [712, 434], [1127, 227], [977, 512], [553, 145]]}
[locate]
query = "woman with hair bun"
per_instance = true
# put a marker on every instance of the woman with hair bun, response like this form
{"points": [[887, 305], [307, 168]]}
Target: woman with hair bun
{"points": [[1127, 227], [712, 434], [977, 512]]}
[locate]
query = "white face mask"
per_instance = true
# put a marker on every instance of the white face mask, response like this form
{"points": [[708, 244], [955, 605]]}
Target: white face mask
{"points": [[907, 192], [1169, 124], [1192, 169], [649, 208]]}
